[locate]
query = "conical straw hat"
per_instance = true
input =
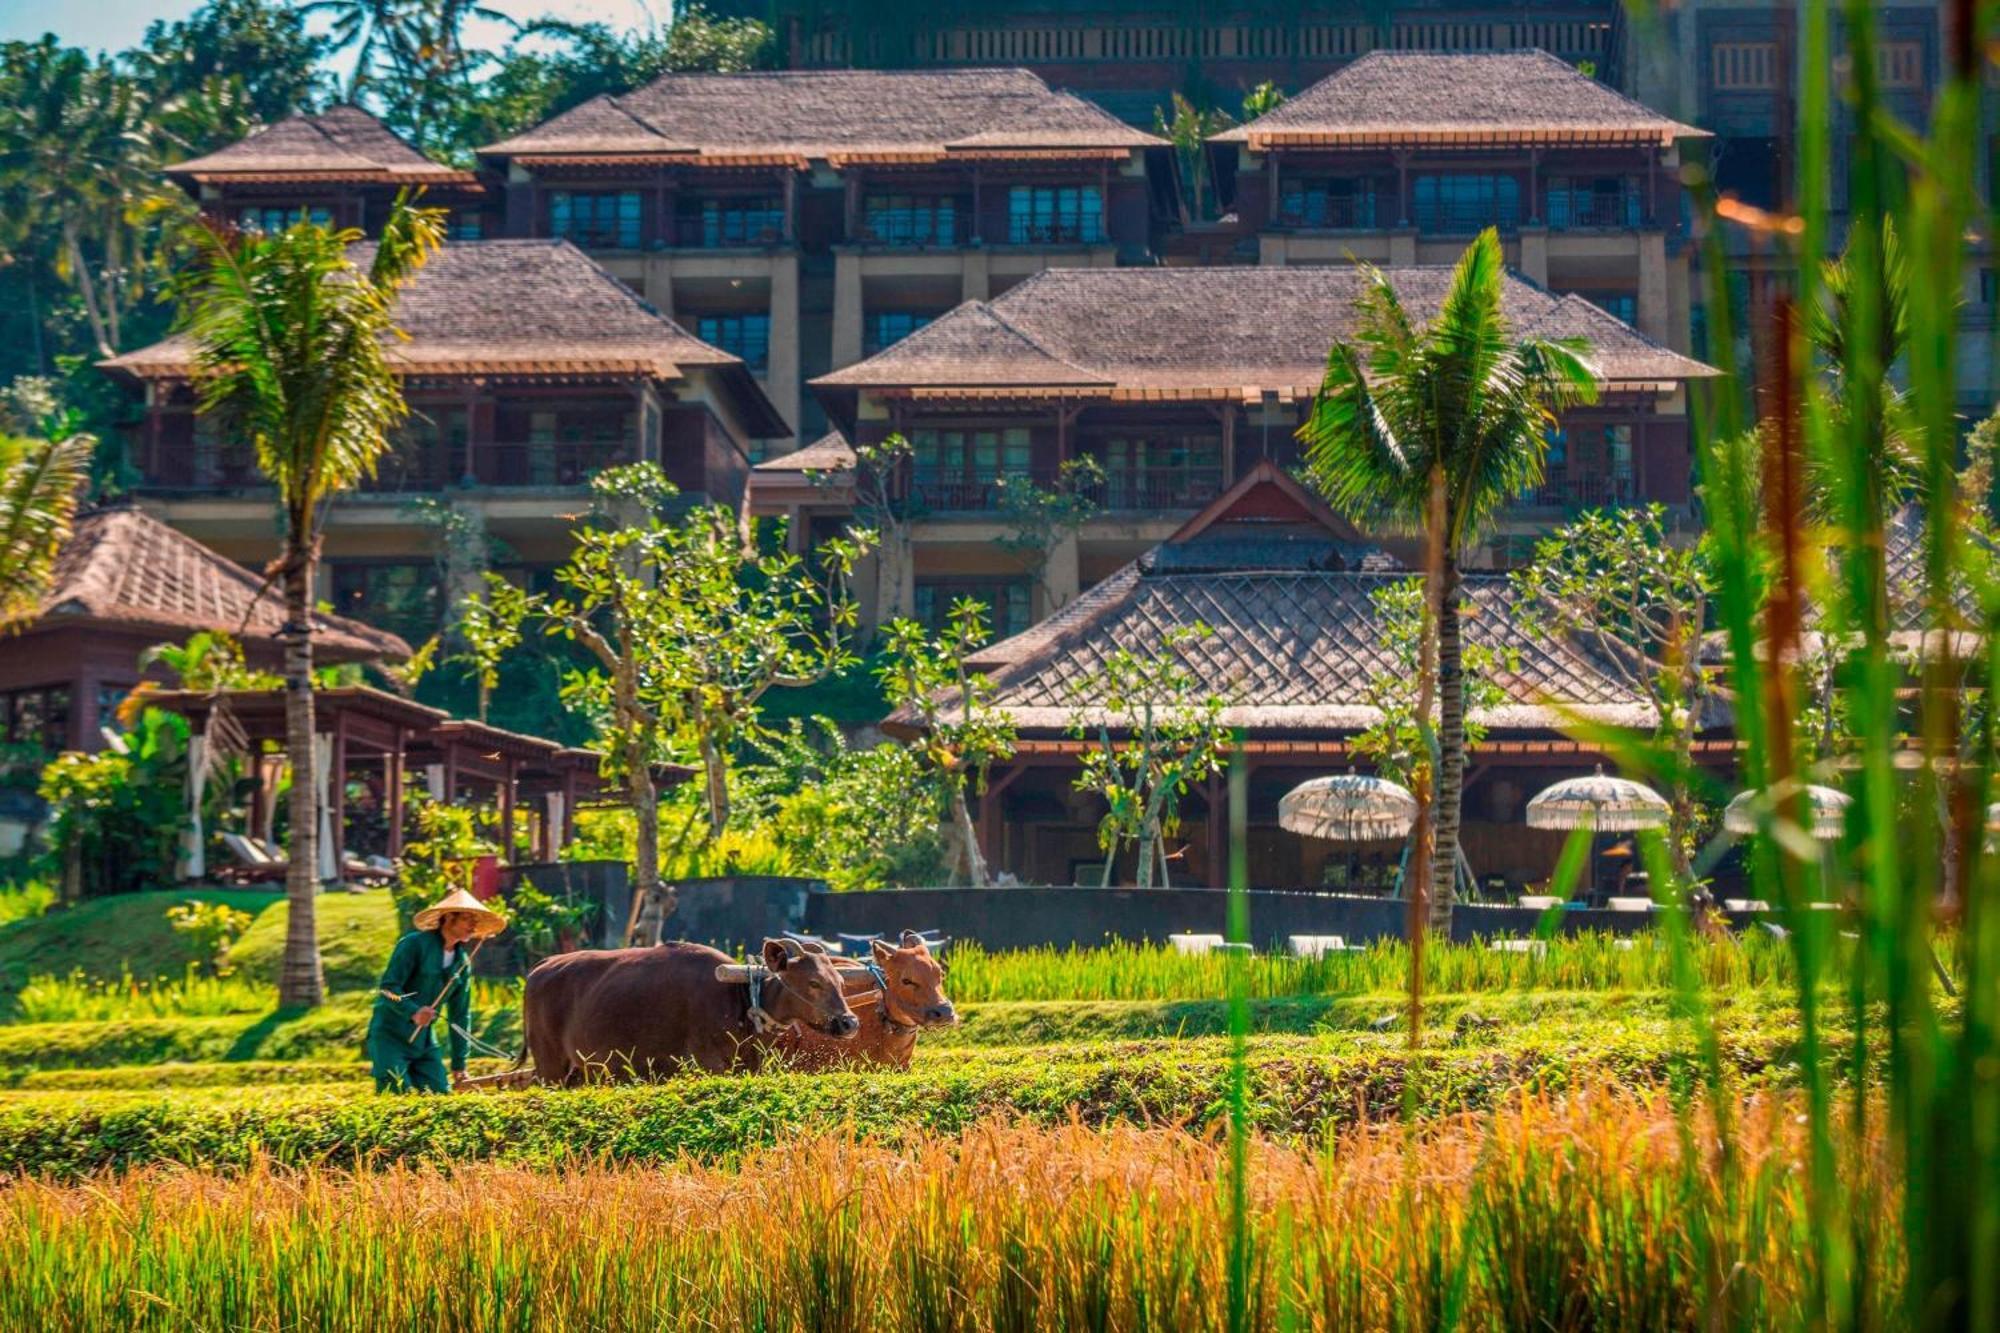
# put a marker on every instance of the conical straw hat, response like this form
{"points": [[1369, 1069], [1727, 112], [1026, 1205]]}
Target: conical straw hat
{"points": [[458, 900]]}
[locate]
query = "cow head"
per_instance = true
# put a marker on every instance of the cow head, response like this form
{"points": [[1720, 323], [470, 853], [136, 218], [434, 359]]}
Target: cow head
{"points": [[914, 993], [806, 990]]}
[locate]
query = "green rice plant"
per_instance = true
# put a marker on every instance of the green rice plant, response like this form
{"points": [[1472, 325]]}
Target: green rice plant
{"points": [[195, 994], [25, 899]]}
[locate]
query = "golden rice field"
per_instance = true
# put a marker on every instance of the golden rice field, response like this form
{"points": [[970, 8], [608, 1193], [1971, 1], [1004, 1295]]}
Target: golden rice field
{"points": [[1598, 1211]]}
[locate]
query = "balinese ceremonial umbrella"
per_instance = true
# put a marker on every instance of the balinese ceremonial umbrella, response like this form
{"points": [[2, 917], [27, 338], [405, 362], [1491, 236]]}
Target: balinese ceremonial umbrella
{"points": [[1601, 802], [1349, 807], [1828, 807]]}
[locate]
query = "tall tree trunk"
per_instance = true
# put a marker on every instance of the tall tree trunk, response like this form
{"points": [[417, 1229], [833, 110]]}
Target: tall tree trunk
{"points": [[1149, 848], [87, 289], [300, 982], [653, 907], [968, 837], [715, 774], [1451, 748]]}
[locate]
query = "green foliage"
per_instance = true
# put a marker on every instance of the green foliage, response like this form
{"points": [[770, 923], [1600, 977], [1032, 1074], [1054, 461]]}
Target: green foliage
{"points": [[212, 927], [1152, 734], [1394, 742], [448, 839], [119, 813], [1265, 98], [24, 899], [1188, 128], [207, 660], [78, 997], [40, 483], [1038, 517], [961, 734], [542, 924]]}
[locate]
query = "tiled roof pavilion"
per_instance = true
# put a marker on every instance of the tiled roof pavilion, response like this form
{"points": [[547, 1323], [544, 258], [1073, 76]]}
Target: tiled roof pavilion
{"points": [[792, 117], [125, 570], [1390, 98], [1229, 334], [1287, 589]]}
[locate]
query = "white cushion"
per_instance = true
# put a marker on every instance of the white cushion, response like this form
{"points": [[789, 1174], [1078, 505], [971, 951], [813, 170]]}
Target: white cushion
{"points": [[1312, 946], [1630, 904], [1540, 902], [1187, 943]]}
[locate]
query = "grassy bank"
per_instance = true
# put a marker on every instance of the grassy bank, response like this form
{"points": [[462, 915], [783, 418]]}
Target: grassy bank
{"points": [[1581, 1213]]}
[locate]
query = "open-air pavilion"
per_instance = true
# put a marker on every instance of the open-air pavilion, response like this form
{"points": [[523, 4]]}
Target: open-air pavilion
{"points": [[371, 743]]}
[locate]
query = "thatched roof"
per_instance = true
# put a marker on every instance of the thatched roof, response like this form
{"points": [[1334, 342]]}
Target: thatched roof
{"points": [[1210, 333], [838, 116], [343, 144], [829, 453], [1390, 98], [522, 307], [124, 569]]}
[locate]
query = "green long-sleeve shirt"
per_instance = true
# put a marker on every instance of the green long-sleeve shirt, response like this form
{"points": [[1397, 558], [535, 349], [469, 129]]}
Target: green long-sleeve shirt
{"points": [[415, 975]]}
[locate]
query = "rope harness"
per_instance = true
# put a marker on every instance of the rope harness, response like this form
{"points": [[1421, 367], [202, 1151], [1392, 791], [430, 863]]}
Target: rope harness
{"points": [[882, 984], [761, 1020]]}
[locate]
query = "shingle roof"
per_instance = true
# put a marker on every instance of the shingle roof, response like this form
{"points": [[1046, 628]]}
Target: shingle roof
{"points": [[518, 307], [1293, 651], [124, 568], [829, 453], [1208, 332], [1398, 97], [830, 114], [344, 141]]}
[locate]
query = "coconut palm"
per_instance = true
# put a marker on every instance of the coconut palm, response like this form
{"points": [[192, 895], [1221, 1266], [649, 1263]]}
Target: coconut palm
{"points": [[40, 480], [1435, 428], [291, 338]]}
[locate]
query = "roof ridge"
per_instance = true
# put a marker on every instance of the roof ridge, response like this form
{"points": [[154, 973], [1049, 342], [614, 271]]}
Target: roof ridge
{"points": [[1029, 338]]}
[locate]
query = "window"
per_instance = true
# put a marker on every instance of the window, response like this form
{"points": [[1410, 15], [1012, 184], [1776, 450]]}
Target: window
{"points": [[1327, 203], [1620, 305], [1465, 203], [1593, 201], [401, 598], [38, 717], [1618, 459], [1899, 64], [911, 219], [889, 327], [604, 221], [1989, 286], [747, 336], [1162, 471], [1743, 67], [956, 469], [1044, 213], [1747, 168], [733, 220], [1006, 602], [276, 217], [465, 225]]}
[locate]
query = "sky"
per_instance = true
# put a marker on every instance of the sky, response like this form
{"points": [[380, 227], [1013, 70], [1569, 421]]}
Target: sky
{"points": [[113, 25]]}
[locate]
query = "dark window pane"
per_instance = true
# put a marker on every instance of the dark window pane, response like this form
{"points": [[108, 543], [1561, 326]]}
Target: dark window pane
{"points": [[736, 220], [888, 327], [745, 335], [911, 219], [601, 220], [1055, 214]]}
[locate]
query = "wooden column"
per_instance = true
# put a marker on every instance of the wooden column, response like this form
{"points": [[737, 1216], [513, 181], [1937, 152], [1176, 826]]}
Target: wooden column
{"points": [[336, 792], [788, 184], [1218, 833], [392, 767], [507, 810], [1534, 187], [1228, 445]]}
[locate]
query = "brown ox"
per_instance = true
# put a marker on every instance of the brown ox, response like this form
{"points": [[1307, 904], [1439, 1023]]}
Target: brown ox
{"points": [[646, 1013], [908, 998]]}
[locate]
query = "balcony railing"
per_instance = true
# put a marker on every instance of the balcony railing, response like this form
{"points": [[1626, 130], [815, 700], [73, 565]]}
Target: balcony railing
{"points": [[494, 463], [1586, 492], [955, 492], [748, 231], [1589, 210]]}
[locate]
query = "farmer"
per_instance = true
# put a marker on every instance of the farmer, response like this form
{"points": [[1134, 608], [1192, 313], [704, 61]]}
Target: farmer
{"points": [[430, 971]]}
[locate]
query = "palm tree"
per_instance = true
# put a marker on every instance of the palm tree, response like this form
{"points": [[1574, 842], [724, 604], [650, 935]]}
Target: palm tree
{"points": [[291, 344], [40, 481], [1434, 429]]}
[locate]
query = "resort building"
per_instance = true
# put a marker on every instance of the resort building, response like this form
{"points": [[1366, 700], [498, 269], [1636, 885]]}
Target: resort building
{"points": [[1402, 156], [1177, 382], [125, 582], [803, 220], [528, 368], [1288, 589]]}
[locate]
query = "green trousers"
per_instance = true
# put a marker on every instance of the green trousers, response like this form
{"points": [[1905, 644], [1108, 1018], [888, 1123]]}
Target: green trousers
{"points": [[402, 1071]]}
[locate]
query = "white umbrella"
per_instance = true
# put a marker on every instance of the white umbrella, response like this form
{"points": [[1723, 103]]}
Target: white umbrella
{"points": [[1601, 802], [1828, 806], [1349, 807]]}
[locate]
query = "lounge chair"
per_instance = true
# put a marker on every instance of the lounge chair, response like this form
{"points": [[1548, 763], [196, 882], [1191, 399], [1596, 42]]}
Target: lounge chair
{"points": [[1538, 902], [258, 862], [1190, 943], [1618, 904], [1314, 946]]}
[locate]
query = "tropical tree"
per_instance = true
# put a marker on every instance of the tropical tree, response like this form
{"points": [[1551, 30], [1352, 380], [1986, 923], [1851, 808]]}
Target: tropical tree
{"points": [[40, 480], [290, 333], [1394, 742], [1040, 518], [1434, 428], [1188, 128], [961, 732], [1616, 581], [1265, 98], [1150, 732]]}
